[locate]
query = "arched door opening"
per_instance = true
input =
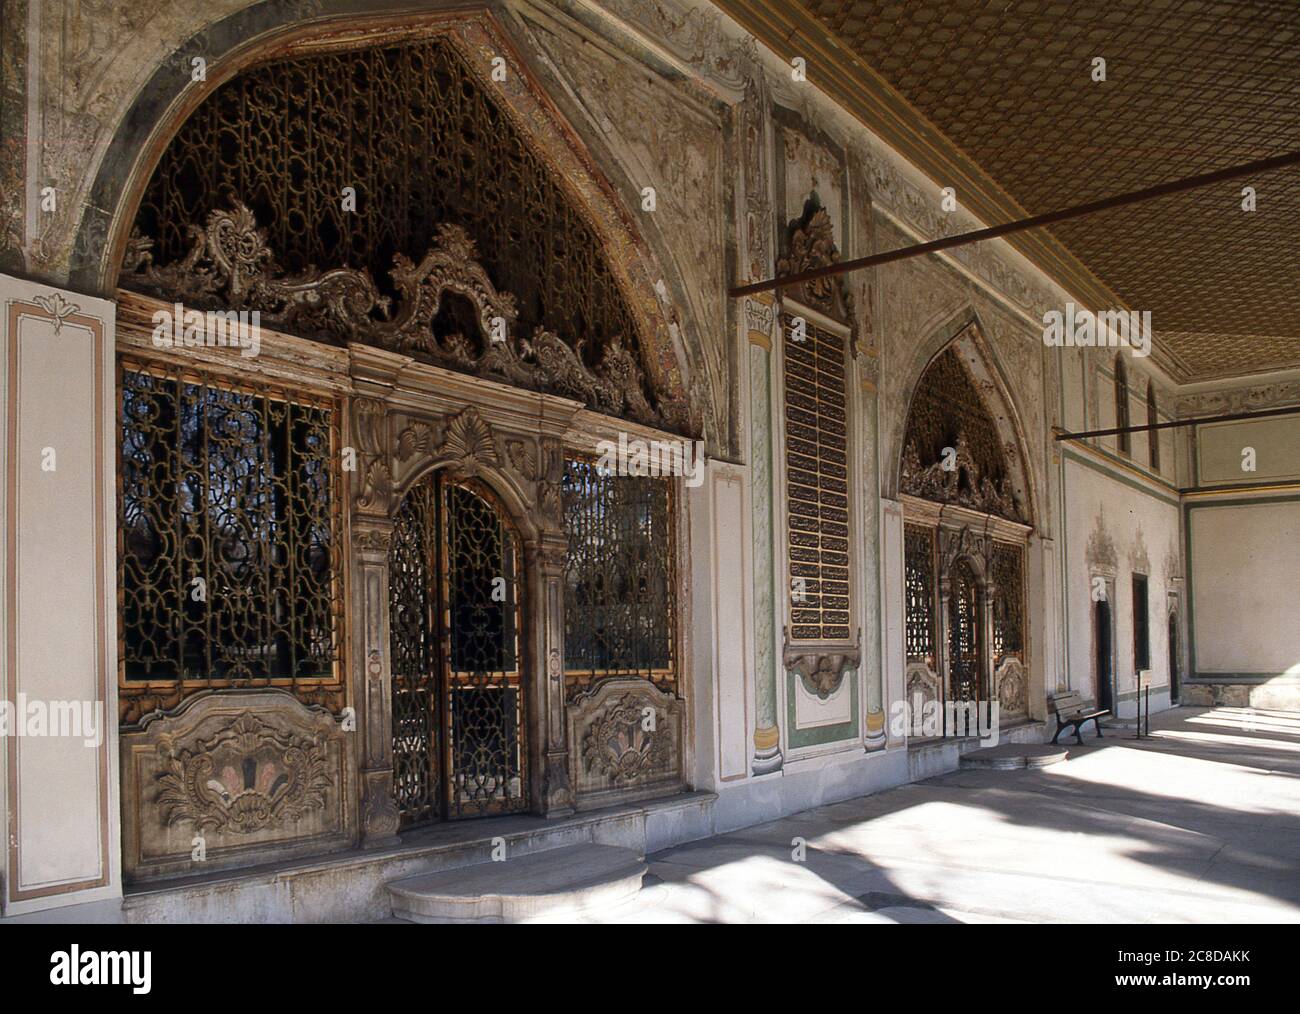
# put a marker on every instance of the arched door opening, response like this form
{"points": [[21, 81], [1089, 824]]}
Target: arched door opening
{"points": [[1102, 654], [1175, 668], [455, 615]]}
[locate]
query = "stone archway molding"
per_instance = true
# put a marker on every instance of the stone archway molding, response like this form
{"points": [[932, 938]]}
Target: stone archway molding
{"points": [[280, 28], [964, 326]]}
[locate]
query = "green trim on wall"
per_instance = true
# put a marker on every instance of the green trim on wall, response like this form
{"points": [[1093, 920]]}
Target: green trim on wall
{"points": [[1117, 476], [822, 734]]}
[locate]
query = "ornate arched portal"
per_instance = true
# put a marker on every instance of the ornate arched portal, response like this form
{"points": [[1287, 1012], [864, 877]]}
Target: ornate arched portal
{"points": [[402, 312], [965, 492]]}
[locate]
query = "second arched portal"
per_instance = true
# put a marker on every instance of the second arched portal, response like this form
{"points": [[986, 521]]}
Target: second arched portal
{"points": [[966, 506], [456, 601]]}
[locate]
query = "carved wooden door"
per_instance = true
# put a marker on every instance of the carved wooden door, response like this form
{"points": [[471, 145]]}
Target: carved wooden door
{"points": [[455, 612]]}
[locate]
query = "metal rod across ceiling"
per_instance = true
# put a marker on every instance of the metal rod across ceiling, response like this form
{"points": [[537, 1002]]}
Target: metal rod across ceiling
{"points": [[1195, 421], [1049, 218]]}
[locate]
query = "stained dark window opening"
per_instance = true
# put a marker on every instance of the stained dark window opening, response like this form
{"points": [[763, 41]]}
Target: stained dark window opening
{"points": [[1153, 436], [227, 532], [1122, 407], [620, 594], [817, 492], [1009, 602], [1141, 624]]}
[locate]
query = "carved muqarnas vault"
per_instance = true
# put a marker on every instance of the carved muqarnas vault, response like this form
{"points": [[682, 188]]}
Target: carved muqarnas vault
{"points": [[381, 195]]}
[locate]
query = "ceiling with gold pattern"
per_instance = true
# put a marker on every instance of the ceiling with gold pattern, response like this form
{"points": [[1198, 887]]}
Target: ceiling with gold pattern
{"points": [[1191, 86]]}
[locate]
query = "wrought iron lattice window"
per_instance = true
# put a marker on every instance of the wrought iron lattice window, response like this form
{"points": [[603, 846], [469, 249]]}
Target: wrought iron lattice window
{"points": [[816, 456], [484, 697], [228, 562], [918, 553], [620, 603], [423, 144], [413, 657], [1008, 567]]}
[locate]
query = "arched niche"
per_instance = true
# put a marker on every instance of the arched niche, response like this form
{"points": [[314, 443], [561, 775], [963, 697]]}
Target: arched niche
{"points": [[959, 468], [959, 356], [610, 370]]}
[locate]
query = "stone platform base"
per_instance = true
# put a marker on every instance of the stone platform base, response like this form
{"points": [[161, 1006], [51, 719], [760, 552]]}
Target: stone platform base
{"points": [[353, 886], [1014, 755], [559, 883]]}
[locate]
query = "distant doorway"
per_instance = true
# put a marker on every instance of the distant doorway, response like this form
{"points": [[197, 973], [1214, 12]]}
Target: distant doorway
{"points": [[1101, 629], [1175, 670]]}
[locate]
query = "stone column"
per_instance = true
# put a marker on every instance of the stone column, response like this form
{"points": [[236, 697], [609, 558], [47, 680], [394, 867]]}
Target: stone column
{"points": [[544, 563], [941, 649], [371, 539], [986, 592], [760, 321], [875, 737]]}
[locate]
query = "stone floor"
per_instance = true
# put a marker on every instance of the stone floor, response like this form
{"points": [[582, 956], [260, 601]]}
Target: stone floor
{"points": [[1201, 822]]}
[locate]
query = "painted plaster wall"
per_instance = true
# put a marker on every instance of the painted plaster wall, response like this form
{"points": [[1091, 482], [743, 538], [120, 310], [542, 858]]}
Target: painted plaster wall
{"points": [[57, 601], [1245, 575], [1113, 528]]}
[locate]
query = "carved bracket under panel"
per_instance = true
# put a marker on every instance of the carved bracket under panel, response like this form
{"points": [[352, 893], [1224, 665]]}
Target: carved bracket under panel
{"points": [[821, 669]]}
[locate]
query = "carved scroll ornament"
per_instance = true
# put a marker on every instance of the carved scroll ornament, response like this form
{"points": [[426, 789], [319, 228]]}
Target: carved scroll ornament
{"points": [[811, 244], [957, 480], [619, 746], [247, 777], [229, 265]]}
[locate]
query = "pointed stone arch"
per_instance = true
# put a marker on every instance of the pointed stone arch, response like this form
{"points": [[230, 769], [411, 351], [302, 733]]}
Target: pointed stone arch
{"points": [[964, 335], [666, 333]]}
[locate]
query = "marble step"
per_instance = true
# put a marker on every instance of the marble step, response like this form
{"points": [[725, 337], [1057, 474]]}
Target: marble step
{"points": [[1011, 756], [554, 884]]}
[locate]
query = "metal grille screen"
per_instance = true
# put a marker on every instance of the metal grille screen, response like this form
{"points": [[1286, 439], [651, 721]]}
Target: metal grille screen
{"points": [[817, 488], [620, 592], [228, 561]]}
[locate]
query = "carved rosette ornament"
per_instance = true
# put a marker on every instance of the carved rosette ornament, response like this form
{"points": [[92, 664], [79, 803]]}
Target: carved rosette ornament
{"points": [[230, 266], [247, 777], [468, 442], [618, 744]]}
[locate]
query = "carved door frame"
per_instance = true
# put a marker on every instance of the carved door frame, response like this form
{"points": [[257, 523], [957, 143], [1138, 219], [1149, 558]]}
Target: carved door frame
{"points": [[408, 420]]}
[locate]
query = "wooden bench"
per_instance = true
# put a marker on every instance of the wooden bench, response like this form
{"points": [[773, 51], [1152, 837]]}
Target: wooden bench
{"points": [[1072, 711]]}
